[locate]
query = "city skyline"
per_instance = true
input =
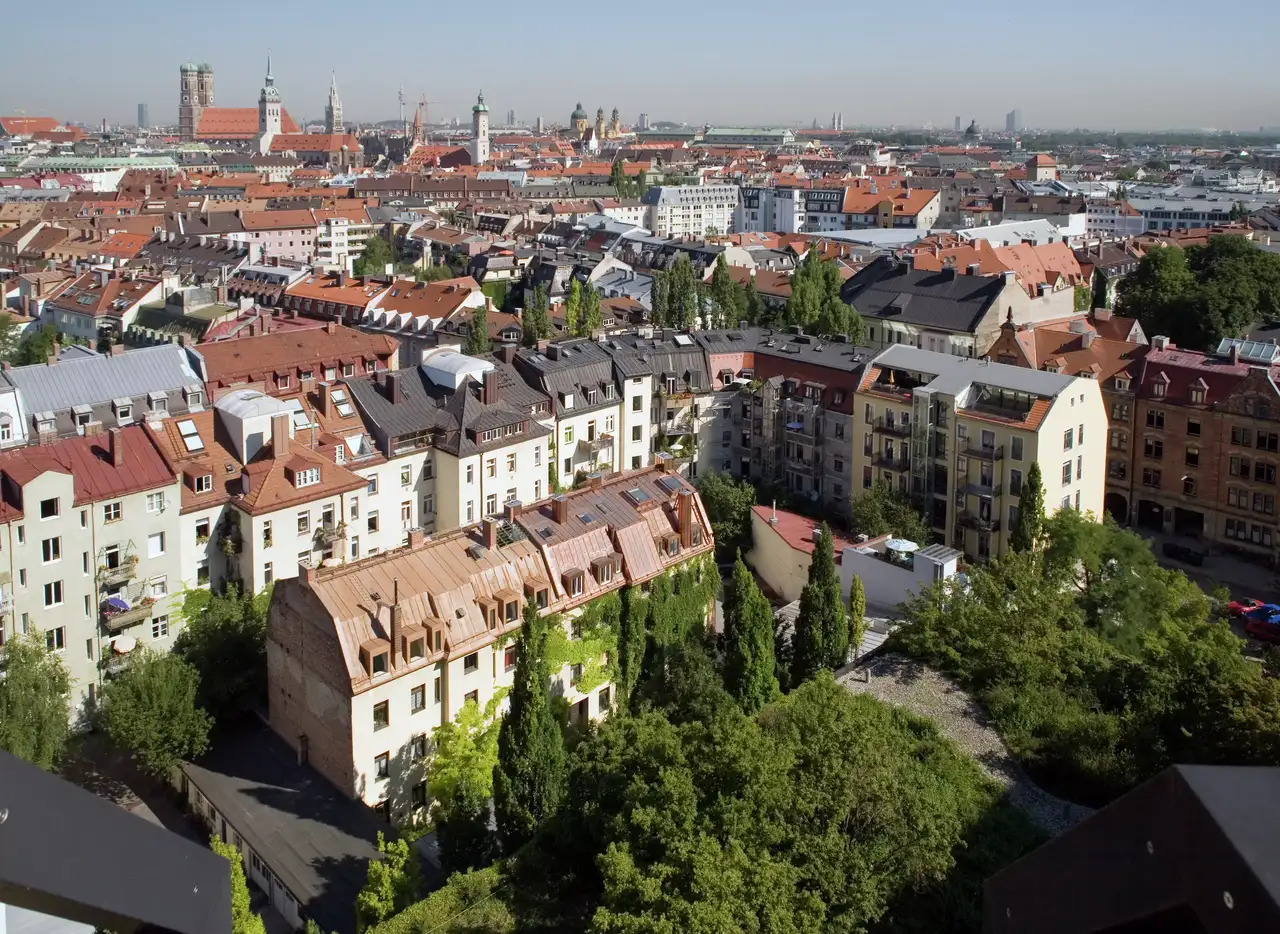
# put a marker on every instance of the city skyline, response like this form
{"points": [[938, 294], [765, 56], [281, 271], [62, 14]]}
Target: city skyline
{"points": [[1100, 88]]}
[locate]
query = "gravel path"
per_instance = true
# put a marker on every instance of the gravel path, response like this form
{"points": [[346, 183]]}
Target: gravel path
{"points": [[913, 685]]}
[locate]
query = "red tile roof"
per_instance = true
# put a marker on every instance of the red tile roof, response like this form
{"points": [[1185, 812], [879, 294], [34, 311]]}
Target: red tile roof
{"points": [[236, 123], [314, 142], [22, 126], [797, 531], [250, 359], [89, 463]]}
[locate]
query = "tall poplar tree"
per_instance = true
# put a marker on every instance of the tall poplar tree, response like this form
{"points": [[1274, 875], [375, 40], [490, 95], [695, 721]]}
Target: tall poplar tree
{"points": [[821, 638], [748, 634], [536, 324], [529, 779], [1029, 522], [573, 306]]}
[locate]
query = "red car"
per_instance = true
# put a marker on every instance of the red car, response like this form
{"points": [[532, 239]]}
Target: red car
{"points": [[1241, 607], [1263, 631]]}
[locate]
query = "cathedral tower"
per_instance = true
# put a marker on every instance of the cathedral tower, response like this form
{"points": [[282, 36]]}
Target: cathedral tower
{"points": [[333, 109], [268, 111], [480, 131]]}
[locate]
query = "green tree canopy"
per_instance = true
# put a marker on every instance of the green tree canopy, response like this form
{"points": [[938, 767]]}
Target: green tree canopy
{"points": [[882, 510], [821, 637], [728, 504], [573, 307], [373, 260], [34, 712], [469, 903], [1029, 520], [536, 323], [748, 641], [36, 345], [460, 781], [728, 303], [815, 303], [225, 641], [478, 332], [528, 779], [149, 710], [590, 317], [391, 884], [433, 273], [243, 921]]}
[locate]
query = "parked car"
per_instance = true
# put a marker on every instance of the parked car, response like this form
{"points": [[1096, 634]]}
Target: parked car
{"points": [[1263, 612], [1183, 553], [1264, 630], [1242, 607]]}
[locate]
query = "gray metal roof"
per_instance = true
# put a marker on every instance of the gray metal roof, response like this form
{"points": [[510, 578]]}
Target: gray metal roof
{"points": [[87, 380], [943, 300], [953, 375]]}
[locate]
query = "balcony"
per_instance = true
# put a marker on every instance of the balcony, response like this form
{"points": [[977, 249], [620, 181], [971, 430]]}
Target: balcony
{"points": [[116, 619], [897, 429], [891, 463], [330, 533], [677, 400], [986, 452], [980, 488], [118, 573], [594, 446], [801, 429], [975, 520]]}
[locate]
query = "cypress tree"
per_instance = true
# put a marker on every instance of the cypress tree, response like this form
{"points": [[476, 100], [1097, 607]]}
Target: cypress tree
{"points": [[748, 632], [1029, 521], [529, 778], [821, 638], [572, 307], [857, 611], [535, 322], [633, 639], [478, 334]]}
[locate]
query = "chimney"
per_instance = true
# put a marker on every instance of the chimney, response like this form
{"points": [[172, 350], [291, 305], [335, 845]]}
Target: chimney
{"points": [[326, 399], [280, 435], [1235, 354], [115, 448], [489, 388], [117, 349], [392, 388], [489, 529], [39, 287], [1102, 314], [972, 269], [416, 538], [593, 480], [1160, 342], [560, 508], [395, 623], [684, 517], [246, 484], [662, 460], [54, 350], [331, 327], [1087, 338], [512, 510], [342, 279]]}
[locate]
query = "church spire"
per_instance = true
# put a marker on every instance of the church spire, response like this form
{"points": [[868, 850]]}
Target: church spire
{"points": [[270, 78]]}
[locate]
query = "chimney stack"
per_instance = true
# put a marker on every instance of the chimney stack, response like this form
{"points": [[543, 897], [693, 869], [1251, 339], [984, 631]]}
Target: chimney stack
{"points": [[416, 538], [684, 517], [489, 529], [280, 435], [391, 384], [512, 510], [326, 400], [115, 448], [331, 327], [560, 508], [1235, 354], [395, 623], [489, 388], [593, 480], [662, 460]]}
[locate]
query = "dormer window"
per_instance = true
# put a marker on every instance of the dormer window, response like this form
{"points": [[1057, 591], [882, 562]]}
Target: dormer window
{"points": [[417, 649], [308, 477], [1122, 383], [591, 396], [379, 664], [566, 400], [697, 536], [608, 390], [512, 611], [673, 546], [573, 582], [203, 483], [1157, 389], [540, 599], [159, 402], [1197, 395]]}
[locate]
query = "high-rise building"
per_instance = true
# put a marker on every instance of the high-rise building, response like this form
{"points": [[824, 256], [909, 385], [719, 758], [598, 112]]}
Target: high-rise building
{"points": [[959, 125], [144, 120], [1013, 121], [480, 131], [537, 126], [333, 109], [268, 111], [644, 121]]}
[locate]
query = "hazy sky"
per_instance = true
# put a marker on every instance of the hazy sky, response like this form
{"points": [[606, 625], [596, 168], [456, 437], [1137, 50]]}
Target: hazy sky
{"points": [[1113, 64]]}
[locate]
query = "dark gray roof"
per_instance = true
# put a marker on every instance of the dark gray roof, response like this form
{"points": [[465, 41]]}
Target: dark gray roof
{"points": [[888, 289], [783, 343], [665, 354], [576, 367], [317, 841]]}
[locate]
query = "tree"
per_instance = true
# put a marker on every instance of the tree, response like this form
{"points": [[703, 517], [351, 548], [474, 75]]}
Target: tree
{"points": [[815, 303], [857, 611], [528, 779], [660, 299], [882, 510], [391, 884], [728, 504], [34, 713], [469, 903], [633, 640], [243, 921], [373, 260], [478, 332], [590, 317], [728, 304], [681, 294], [536, 323], [754, 308], [432, 273], [225, 641], [573, 306], [748, 637], [1028, 522], [460, 781], [10, 338], [150, 711], [618, 179], [36, 345], [821, 637]]}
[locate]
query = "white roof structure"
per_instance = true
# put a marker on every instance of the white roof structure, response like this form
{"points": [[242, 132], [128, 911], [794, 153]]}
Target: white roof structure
{"points": [[451, 369]]}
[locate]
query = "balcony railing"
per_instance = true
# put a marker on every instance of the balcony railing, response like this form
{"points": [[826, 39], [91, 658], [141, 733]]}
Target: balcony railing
{"points": [[974, 520], [896, 428], [891, 463], [980, 488], [115, 620], [330, 533], [118, 573], [595, 445], [986, 452]]}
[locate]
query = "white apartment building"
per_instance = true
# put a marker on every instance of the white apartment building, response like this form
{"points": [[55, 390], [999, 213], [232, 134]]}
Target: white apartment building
{"points": [[361, 671], [961, 434], [869, 204], [693, 211], [340, 237], [1107, 218], [90, 551]]}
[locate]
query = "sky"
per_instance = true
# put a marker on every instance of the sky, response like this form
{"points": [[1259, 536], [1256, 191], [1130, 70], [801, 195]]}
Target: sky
{"points": [[1120, 64]]}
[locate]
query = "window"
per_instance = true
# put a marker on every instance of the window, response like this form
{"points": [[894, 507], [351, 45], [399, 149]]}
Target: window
{"points": [[159, 586], [372, 486], [418, 698], [491, 504], [1153, 448], [406, 476], [1265, 473], [537, 457], [1015, 448], [49, 508], [419, 747], [509, 658], [575, 674], [308, 477], [155, 545], [381, 715], [55, 640], [1158, 389], [268, 574], [155, 502], [373, 520], [203, 483], [202, 572], [382, 766], [471, 697], [511, 463], [471, 663], [1015, 482], [568, 434], [1120, 411], [1150, 477], [304, 522], [428, 504], [491, 467], [160, 627], [471, 473], [51, 549], [1066, 473], [1068, 437], [1193, 457], [438, 689], [53, 593], [1080, 435], [1240, 436], [1155, 418], [471, 510], [1079, 467], [1066, 502], [1197, 395], [1268, 441]]}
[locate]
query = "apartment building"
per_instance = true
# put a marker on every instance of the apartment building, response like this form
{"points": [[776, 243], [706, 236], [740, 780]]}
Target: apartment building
{"points": [[469, 427], [286, 362], [878, 203], [1113, 218], [365, 659], [289, 235], [100, 304], [1206, 452], [589, 401], [84, 393], [89, 550], [692, 211], [1102, 347], [413, 313], [960, 435], [336, 296], [341, 234]]}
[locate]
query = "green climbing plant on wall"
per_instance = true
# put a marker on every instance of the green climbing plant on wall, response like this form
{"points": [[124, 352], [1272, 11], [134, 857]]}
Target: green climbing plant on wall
{"points": [[593, 643]]}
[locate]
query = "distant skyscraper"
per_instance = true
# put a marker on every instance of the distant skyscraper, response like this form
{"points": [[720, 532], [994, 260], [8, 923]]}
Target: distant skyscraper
{"points": [[333, 109], [1013, 121], [644, 121], [511, 118], [537, 125], [840, 121], [143, 120], [480, 131], [959, 125]]}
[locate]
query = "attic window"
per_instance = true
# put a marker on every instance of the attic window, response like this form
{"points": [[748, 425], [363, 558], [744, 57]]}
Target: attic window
{"points": [[379, 664], [307, 477], [1121, 383], [673, 546], [203, 483], [540, 599], [697, 536], [417, 649]]}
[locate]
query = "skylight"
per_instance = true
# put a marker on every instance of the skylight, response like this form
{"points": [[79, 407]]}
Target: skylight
{"points": [[670, 484], [190, 436]]}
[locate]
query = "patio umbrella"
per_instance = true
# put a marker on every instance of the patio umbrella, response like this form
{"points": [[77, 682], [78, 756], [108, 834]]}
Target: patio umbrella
{"points": [[906, 546], [117, 603]]}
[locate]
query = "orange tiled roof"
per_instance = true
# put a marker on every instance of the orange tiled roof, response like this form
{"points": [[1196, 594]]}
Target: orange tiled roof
{"points": [[23, 126], [277, 220], [236, 123], [315, 142], [436, 300], [348, 290]]}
